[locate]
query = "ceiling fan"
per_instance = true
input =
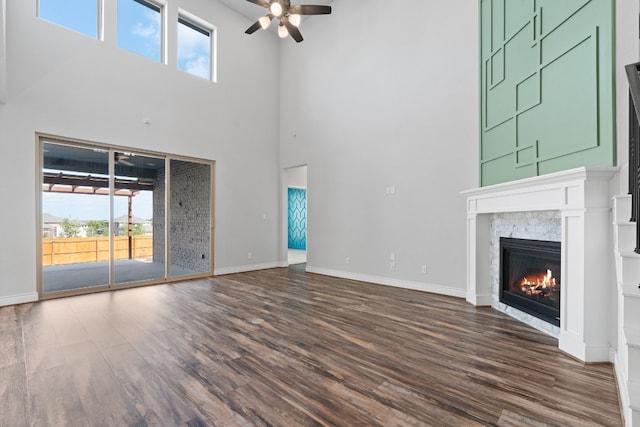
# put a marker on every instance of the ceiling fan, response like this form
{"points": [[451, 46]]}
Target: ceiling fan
{"points": [[288, 16]]}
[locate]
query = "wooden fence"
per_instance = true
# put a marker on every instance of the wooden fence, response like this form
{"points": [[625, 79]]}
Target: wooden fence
{"points": [[76, 250]]}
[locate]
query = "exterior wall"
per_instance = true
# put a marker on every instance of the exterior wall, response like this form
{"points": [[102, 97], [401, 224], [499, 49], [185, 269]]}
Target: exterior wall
{"points": [[189, 231], [189, 234], [546, 86], [159, 210]]}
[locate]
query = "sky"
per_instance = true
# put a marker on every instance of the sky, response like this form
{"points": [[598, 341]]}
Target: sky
{"points": [[139, 31], [86, 207]]}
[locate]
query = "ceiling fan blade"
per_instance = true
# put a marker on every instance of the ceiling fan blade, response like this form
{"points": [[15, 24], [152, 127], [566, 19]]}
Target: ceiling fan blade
{"points": [[255, 27], [310, 9], [293, 31], [262, 3]]}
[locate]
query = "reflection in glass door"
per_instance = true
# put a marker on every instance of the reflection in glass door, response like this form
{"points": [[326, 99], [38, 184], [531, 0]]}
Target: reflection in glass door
{"points": [[189, 218], [75, 217], [139, 253]]}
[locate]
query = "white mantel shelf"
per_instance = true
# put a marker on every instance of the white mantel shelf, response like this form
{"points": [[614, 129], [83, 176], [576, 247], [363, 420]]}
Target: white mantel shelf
{"points": [[582, 197]]}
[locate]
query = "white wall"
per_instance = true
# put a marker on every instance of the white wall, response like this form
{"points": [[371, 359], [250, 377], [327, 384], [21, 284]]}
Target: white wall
{"points": [[627, 51], [378, 98], [296, 177], [64, 83], [3, 51]]}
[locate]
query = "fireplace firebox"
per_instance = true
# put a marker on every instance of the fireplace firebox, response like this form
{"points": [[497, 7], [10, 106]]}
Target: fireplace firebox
{"points": [[530, 277]]}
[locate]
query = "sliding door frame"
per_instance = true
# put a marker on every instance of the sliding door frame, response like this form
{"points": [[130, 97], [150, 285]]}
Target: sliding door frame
{"points": [[41, 138]]}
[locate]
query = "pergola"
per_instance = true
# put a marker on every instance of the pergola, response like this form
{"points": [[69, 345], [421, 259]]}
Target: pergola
{"points": [[58, 182]]}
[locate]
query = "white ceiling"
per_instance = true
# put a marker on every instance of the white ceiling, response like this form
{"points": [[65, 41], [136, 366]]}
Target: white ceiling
{"points": [[253, 11]]}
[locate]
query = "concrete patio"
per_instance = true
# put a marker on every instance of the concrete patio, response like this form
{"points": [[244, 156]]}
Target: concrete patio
{"points": [[58, 278]]}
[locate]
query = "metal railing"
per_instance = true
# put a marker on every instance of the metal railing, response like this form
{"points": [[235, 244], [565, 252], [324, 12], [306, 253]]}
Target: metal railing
{"points": [[633, 76]]}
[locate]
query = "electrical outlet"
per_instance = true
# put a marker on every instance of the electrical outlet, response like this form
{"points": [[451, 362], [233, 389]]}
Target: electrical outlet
{"points": [[347, 260], [424, 269], [392, 266], [249, 255]]}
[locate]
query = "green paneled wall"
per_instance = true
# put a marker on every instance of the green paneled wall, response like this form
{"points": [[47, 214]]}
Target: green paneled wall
{"points": [[547, 87]]}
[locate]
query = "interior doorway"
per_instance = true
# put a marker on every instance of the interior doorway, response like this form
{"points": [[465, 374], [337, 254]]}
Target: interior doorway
{"points": [[296, 214]]}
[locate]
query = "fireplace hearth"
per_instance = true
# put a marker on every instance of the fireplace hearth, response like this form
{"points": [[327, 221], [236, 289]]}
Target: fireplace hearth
{"points": [[530, 277]]}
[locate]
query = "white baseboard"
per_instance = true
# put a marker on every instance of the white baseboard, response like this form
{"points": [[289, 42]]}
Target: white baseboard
{"points": [[245, 268], [623, 388], [479, 300], [405, 284], [19, 299]]}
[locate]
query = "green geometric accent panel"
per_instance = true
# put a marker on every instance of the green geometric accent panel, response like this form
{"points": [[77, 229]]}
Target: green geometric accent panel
{"points": [[547, 82]]}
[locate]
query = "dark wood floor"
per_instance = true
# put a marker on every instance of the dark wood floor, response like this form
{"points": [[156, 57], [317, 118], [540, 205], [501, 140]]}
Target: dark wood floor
{"points": [[286, 348]]}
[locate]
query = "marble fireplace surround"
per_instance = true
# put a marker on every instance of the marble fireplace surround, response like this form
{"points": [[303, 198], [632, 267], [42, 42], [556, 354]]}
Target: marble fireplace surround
{"points": [[581, 196], [535, 225]]}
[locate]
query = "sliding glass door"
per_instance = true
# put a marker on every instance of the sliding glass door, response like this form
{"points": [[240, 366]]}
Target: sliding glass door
{"points": [[139, 254], [75, 217], [114, 217], [190, 218]]}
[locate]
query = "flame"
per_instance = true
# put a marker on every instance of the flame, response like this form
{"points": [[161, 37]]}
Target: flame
{"points": [[538, 284]]}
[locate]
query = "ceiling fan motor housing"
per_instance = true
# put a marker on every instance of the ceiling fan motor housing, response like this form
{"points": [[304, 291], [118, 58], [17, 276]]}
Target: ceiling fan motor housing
{"points": [[287, 15]]}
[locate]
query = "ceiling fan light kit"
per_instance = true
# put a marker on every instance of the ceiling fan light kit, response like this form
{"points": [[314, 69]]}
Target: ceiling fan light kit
{"points": [[276, 9], [289, 16], [295, 19], [265, 21], [282, 31]]}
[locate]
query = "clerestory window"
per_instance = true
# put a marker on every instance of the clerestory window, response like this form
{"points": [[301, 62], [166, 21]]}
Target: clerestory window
{"points": [[77, 15], [140, 28], [195, 48]]}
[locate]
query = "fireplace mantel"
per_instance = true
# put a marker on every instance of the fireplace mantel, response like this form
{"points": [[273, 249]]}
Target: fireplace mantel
{"points": [[583, 198]]}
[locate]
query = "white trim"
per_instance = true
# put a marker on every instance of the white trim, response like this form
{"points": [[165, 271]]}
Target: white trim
{"points": [[246, 268], [19, 299], [3, 51], [624, 389], [405, 284], [479, 300], [534, 183], [582, 197]]}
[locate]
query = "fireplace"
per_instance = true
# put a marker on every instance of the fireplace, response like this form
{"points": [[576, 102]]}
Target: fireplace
{"points": [[530, 277]]}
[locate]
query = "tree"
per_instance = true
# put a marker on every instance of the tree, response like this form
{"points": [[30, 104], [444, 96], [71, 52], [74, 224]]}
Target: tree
{"points": [[95, 228], [70, 227], [138, 229]]}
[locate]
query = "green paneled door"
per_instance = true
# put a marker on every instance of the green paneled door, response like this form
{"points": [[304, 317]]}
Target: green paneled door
{"points": [[547, 87]]}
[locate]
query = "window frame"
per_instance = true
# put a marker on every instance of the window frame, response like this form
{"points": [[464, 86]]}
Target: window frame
{"points": [[99, 21], [204, 28]]}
